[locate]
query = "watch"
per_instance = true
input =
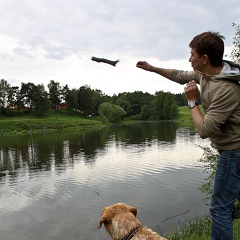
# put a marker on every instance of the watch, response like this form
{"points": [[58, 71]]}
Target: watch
{"points": [[192, 104]]}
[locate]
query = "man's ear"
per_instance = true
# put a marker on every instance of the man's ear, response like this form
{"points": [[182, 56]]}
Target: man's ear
{"points": [[205, 59]]}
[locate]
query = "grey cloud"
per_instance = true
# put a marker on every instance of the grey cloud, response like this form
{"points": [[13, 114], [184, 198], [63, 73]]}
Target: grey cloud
{"points": [[57, 51], [160, 29], [6, 56], [23, 52]]}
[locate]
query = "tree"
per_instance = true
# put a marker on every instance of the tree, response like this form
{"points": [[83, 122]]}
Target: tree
{"points": [[165, 106], [4, 89], [158, 105], [235, 53], [145, 112], [27, 94], [98, 98], [123, 102], [85, 101], [70, 97], [181, 99], [170, 107], [132, 103], [13, 94], [35, 98], [40, 101], [54, 94], [111, 113]]}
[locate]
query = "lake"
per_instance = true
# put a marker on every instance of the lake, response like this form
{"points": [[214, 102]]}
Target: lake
{"points": [[55, 185]]}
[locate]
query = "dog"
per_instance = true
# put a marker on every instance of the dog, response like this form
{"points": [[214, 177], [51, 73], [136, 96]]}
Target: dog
{"points": [[121, 223]]}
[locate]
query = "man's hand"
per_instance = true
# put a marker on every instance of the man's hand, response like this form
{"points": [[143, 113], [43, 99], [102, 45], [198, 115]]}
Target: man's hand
{"points": [[143, 65], [191, 91]]}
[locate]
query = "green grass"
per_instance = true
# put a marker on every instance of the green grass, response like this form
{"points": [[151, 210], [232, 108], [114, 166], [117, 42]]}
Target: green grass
{"points": [[185, 114], [199, 229], [54, 121]]}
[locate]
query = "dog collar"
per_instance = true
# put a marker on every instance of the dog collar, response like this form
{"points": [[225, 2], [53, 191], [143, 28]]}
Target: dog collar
{"points": [[132, 233]]}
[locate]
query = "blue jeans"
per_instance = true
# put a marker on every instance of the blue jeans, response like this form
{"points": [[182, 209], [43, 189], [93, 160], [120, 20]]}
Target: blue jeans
{"points": [[225, 192]]}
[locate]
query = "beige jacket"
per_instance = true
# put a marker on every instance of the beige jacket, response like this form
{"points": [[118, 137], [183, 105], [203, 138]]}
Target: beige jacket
{"points": [[220, 98]]}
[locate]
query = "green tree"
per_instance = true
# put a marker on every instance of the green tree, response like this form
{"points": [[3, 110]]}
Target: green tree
{"points": [[170, 107], [123, 102], [158, 104], [41, 103], [97, 98], [209, 160], [145, 112], [235, 53], [85, 100], [111, 113], [55, 94], [27, 94], [165, 106], [35, 98], [132, 103], [181, 99], [70, 98], [4, 90], [13, 93]]}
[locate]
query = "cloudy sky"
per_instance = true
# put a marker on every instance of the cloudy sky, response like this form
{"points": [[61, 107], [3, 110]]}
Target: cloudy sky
{"points": [[43, 40]]}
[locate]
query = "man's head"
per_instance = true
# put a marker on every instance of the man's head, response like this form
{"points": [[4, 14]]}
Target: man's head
{"points": [[209, 46]]}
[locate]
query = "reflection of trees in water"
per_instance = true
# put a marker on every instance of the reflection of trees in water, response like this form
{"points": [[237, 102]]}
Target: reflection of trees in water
{"points": [[137, 133], [59, 151]]}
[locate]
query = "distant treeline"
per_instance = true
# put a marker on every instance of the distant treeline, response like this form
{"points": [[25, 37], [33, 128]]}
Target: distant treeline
{"points": [[31, 98]]}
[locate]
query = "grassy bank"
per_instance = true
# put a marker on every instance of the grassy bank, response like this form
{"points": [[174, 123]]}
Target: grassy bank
{"points": [[185, 114], [200, 229], [54, 121], [23, 123]]}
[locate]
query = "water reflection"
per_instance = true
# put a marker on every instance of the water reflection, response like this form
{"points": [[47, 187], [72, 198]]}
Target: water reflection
{"points": [[63, 180], [39, 152]]}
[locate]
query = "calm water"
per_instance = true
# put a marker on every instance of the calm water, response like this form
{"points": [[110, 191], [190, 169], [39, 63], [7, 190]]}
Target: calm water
{"points": [[54, 186]]}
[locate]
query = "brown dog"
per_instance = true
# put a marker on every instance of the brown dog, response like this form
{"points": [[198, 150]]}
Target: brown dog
{"points": [[121, 223]]}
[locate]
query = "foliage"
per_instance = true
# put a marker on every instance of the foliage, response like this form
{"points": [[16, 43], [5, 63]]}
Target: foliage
{"points": [[54, 94], [209, 159], [70, 98], [33, 98], [145, 112], [199, 229], [4, 89], [89, 100], [133, 103], [196, 229], [165, 106], [111, 113], [235, 53], [181, 99]]}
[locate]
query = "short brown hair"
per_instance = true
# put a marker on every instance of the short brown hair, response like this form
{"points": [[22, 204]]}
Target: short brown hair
{"points": [[211, 44]]}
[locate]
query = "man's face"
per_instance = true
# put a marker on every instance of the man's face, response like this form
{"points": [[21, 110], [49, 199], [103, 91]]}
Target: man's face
{"points": [[196, 61]]}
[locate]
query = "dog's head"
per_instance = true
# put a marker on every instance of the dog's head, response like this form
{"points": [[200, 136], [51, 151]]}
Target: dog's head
{"points": [[112, 211]]}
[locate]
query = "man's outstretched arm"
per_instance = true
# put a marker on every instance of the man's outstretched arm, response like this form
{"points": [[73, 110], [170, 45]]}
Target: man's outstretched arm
{"points": [[167, 73]]}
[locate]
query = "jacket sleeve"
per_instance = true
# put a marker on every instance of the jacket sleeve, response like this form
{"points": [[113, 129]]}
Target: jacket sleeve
{"points": [[223, 103], [183, 77]]}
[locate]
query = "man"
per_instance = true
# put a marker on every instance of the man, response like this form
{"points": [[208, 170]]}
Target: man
{"points": [[220, 98]]}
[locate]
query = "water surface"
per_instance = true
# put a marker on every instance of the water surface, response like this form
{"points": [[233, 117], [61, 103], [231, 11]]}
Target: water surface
{"points": [[54, 186]]}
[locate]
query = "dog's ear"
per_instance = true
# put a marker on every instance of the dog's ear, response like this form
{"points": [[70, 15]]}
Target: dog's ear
{"points": [[132, 210], [103, 218]]}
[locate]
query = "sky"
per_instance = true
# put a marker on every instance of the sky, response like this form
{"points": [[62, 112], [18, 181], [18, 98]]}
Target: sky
{"points": [[43, 40]]}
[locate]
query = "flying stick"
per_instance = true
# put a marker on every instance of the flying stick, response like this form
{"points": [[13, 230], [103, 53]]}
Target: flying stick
{"points": [[104, 60]]}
